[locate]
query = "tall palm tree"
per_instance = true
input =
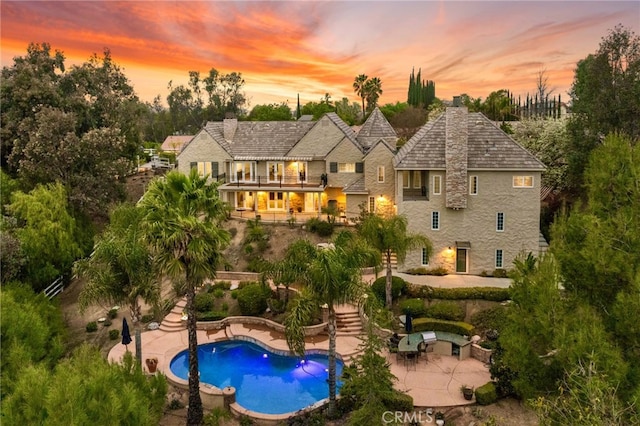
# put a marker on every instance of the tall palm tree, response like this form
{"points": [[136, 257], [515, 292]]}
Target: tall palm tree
{"points": [[372, 92], [292, 267], [332, 277], [119, 270], [389, 235], [182, 215], [359, 87]]}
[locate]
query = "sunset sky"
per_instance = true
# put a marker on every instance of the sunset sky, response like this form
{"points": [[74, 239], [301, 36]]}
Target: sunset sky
{"points": [[311, 48]]}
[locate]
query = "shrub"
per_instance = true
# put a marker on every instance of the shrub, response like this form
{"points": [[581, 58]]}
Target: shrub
{"points": [[446, 311], [432, 324], [276, 306], [224, 285], [398, 402], [147, 318], [203, 302], [486, 394], [114, 334], [438, 271], [218, 293], [398, 286], [225, 307], [107, 323], [113, 312], [490, 319], [210, 316], [312, 224], [494, 294], [500, 273], [252, 299], [324, 229], [415, 307], [233, 232], [175, 404], [91, 327], [234, 294], [485, 344], [418, 271]]}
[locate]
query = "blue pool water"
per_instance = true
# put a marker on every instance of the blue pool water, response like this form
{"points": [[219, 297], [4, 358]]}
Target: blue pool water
{"points": [[265, 382]]}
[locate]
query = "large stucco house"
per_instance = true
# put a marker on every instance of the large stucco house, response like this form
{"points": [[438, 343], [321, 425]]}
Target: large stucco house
{"points": [[460, 180]]}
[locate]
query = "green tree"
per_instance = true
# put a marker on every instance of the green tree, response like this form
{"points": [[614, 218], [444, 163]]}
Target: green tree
{"points": [[291, 268], [605, 97], [86, 389], [317, 109], [332, 277], [497, 106], [389, 235], [348, 112], [271, 112], [373, 90], [119, 270], [46, 232], [181, 223], [359, 87], [33, 332], [421, 93]]}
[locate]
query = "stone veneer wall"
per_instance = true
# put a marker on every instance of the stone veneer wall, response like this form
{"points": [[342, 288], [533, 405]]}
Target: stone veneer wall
{"points": [[480, 353], [457, 135]]}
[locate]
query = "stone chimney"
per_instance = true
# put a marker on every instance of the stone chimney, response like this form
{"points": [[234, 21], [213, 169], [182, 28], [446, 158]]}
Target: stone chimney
{"points": [[229, 126], [456, 140]]}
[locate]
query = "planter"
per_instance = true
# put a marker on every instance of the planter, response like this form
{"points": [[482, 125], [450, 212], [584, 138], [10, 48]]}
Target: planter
{"points": [[152, 364], [467, 393]]}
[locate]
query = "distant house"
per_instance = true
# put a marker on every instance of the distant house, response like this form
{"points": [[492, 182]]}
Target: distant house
{"points": [[461, 181], [175, 143]]}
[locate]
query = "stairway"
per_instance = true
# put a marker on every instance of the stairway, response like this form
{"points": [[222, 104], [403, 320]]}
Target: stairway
{"points": [[348, 321], [394, 262], [173, 320]]}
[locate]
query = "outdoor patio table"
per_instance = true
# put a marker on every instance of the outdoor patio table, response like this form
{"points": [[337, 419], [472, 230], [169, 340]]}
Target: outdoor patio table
{"points": [[410, 343]]}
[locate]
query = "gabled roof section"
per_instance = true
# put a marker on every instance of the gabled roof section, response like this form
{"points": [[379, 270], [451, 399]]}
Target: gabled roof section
{"points": [[355, 187], [264, 139], [344, 127], [488, 148], [375, 128], [175, 142], [380, 141]]}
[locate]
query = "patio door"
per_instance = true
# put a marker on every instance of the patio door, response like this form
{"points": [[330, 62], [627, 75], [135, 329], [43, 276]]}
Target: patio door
{"points": [[461, 260]]}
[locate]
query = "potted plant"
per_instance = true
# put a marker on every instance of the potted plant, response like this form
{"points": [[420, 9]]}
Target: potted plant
{"points": [[152, 364], [439, 418], [467, 392]]}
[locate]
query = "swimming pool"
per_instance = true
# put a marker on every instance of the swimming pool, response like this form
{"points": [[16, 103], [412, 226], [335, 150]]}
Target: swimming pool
{"points": [[265, 382]]}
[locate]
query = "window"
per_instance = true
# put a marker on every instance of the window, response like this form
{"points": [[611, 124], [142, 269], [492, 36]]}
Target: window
{"points": [[437, 185], [435, 221], [372, 204], [276, 171], [523, 181], [380, 174], [346, 167], [243, 172], [473, 185], [499, 258], [500, 221], [425, 256], [405, 179], [301, 171], [276, 201], [204, 168], [417, 181]]}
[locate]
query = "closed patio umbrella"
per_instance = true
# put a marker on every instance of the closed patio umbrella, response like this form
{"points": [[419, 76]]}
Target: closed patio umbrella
{"points": [[408, 325], [126, 334]]}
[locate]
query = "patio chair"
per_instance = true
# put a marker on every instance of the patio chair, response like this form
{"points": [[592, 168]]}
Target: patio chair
{"points": [[410, 360], [422, 349]]}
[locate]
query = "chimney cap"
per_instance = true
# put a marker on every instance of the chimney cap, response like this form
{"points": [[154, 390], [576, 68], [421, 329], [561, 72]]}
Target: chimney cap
{"points": [[457, 101]]}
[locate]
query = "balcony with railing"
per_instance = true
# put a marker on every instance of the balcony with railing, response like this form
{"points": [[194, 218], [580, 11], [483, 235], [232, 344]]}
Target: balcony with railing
{"points": [[301, 180], [415, 194]]}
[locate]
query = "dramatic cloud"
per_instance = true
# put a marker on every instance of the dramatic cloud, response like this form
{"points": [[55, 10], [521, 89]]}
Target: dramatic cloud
{"points": [[312, 48]]}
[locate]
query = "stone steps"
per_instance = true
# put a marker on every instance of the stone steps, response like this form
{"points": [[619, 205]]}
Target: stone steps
{"points": [[348, 322], [173, 321]]}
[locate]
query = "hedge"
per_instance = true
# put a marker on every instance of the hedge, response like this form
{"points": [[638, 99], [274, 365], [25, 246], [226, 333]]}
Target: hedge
{"points": [[398, 401], [494, 294], [210, 316], [432, 324], [203, 302], [398, 286], [486, 394], [252, 299], [450, 311], [415, 307]]}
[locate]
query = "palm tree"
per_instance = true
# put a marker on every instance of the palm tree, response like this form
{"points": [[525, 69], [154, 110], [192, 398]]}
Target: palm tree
{"points": [[332, 277], [372, 91], [389, 235], [119, 270], [181, 223], [359, 87], [292, 267]]}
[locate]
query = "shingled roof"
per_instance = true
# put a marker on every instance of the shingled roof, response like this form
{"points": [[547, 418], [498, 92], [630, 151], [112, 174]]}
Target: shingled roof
{"points": [[355, 187], [375, 128], [264, 139], [488, 148]]}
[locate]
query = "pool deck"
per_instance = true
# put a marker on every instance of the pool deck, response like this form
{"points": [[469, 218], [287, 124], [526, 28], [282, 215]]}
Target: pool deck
{"points": [[433, 381]]}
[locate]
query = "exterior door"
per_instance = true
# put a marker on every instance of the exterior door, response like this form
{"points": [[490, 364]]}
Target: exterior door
{"points": [[461, 261]]}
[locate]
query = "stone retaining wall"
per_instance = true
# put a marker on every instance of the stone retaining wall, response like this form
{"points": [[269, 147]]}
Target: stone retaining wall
{"points": [[480, 353], [312, 330]]}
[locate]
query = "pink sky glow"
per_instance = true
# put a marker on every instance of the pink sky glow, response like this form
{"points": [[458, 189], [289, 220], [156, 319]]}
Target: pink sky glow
{"points": [[310, 48]]}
